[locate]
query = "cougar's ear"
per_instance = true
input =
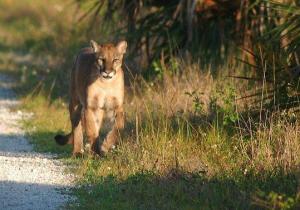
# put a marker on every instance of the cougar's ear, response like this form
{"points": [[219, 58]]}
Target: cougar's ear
{"points": [[94, 46], [122, 46]]}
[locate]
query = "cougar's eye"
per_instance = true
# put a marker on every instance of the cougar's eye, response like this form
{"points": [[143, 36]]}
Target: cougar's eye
{"points": [[116, 60]]}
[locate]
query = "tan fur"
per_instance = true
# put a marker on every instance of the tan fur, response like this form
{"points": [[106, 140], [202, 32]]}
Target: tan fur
{"points": [[97, 87]]}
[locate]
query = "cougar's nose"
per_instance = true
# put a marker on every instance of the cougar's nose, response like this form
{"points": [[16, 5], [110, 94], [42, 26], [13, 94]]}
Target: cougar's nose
{"points": [[108, 70]]}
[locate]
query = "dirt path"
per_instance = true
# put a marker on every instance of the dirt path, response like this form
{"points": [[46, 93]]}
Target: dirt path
{"points": [[28, 180]]}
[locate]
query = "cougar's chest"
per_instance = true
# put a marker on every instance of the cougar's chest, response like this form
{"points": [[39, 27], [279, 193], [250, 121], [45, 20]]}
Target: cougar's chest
{"points": [[108, 102], [106, 97]]}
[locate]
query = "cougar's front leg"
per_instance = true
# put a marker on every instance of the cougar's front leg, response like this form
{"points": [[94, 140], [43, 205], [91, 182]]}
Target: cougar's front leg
{"points": [[112, 136], [93, 121]]}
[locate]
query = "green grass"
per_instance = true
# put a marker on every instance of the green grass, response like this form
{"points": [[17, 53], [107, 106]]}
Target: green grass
{"points": [[178, 190]]}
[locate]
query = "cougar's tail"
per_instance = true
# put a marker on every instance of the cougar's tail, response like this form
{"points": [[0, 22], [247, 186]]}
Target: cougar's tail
{"points": [[63, 139]]}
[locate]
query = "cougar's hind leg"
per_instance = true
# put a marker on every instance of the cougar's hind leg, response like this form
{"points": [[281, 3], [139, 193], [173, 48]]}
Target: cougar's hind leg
{"points": [[76, 134], [112, 136]]}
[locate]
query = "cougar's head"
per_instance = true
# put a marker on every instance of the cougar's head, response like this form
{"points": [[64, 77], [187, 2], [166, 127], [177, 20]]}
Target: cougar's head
{"points": [[108, 57]]}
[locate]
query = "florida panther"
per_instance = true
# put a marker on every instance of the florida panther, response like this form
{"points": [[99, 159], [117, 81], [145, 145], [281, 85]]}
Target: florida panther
{"points": [[97, 87]]}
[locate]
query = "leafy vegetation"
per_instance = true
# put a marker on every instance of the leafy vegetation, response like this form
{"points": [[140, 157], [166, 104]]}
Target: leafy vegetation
{"points": [[212, 103]]}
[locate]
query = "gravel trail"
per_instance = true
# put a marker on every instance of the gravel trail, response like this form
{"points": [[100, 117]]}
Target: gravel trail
{"points": [[28, 180]]}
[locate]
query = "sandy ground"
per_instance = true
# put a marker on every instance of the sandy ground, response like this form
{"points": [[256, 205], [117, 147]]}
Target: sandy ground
{"points": [[28, 180]]}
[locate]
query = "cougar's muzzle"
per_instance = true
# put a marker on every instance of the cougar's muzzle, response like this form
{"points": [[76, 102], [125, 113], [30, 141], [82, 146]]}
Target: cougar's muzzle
{"points": [[108, 75]]}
